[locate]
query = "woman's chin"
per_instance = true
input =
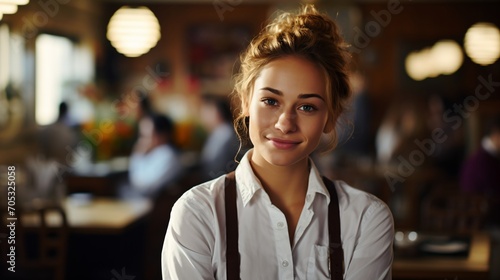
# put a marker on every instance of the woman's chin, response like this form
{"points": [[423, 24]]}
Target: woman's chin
{"points": [[285, 159]]}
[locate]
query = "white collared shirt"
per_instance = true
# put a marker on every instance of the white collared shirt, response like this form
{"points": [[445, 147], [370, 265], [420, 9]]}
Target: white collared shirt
{"points": [[195, 246]]}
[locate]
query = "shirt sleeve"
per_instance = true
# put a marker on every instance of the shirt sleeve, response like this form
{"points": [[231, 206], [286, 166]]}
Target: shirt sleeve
{"points": [[187, 250], [373, 254]]}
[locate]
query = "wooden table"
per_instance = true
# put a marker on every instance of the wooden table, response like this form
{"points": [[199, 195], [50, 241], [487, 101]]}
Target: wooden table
{"points": [[102, 215], [475, 266]]}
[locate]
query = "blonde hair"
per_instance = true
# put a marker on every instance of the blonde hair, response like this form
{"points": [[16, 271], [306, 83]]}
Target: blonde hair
{"points": [[310, 35]]}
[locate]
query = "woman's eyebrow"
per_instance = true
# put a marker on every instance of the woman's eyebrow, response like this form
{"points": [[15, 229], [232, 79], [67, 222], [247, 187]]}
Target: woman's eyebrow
{"points": [[310, 95], [301, 96], [272, 90]]}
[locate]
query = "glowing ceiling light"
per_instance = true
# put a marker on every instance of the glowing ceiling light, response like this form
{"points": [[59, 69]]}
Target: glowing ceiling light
{"points": [[133, 31], [443, 58], [447, 56], [7, 8], [416, 66], [482, 43], [15, 2]]}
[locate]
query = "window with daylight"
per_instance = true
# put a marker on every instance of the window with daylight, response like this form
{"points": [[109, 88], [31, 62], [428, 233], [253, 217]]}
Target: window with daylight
{"points": [[61, 66]]}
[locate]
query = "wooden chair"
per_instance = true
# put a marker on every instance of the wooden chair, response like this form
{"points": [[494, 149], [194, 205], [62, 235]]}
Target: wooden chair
{"points": [[43, 248], [450, 210]]}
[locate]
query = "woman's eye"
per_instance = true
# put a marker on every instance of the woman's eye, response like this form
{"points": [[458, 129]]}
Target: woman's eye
{"points": [[270, 102], [307, 108]]}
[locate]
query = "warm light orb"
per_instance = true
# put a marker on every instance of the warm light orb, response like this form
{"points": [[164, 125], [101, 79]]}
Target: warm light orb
{"points": [[7, 8], [10, 6], [447, 56], [15, 2], [482, 43], [443, 58], [133, 31], [416, 66]]}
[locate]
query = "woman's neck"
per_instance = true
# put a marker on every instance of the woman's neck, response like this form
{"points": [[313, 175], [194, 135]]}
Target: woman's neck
{"points": [[285, 185]]}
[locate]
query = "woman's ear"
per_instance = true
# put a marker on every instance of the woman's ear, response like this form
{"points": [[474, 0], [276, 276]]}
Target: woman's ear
{"points": [[329, 126]]}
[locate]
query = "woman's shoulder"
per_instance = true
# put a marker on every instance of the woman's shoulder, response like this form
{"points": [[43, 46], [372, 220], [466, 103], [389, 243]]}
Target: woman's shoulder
{"points": [[354, 199], [363, 212], [203, 195]]}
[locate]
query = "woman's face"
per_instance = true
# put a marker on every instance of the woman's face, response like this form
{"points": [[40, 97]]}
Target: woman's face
{"points": [[288, 111]]}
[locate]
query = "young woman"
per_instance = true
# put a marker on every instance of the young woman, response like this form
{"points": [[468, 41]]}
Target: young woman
{"points": [[293, 86]]}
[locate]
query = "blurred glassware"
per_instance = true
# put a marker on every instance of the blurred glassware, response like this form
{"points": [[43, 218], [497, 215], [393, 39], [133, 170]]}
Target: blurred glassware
{"points": [[406, 243], [44, 184]]}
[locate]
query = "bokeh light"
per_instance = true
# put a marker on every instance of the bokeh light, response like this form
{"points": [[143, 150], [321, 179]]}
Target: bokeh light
{"points": [[443, 58], [8, 8], [482, 43], [133, 31]]}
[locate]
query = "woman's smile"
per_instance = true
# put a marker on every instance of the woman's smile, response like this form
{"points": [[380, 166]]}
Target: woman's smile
{"points": [[284, 144]]}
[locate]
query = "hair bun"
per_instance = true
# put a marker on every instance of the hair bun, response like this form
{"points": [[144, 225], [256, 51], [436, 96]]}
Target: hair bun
{"points": [[308, 22]]}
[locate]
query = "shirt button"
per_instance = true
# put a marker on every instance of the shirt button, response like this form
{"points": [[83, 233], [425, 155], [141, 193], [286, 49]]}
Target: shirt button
{"points": [[284, 263], [280, 224]]}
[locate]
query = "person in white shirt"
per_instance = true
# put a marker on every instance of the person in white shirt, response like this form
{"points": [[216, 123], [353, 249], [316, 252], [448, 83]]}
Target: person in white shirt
{"points": [[293, 87], [154, 161]]}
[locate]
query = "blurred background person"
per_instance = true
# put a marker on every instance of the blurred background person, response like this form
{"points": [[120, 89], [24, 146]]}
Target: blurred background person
{"points": [[355, 139], [59, 138], [220, 148], [400, 127], [480, 175], [45, 169], [154, 162], [144, 109], [481, 171], [446, 156]]}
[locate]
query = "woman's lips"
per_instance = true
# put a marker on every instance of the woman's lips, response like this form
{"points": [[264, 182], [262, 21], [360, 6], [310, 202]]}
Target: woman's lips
{"points": [[284, 144]]}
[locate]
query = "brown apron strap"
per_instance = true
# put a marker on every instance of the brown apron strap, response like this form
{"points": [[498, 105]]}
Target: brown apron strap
{"points": [[232, 253], [336, 251]]}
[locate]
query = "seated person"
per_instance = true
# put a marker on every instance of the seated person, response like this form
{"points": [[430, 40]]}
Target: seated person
{"points": [[481, 172], [154, 161], [220, 149], [59, 137]]}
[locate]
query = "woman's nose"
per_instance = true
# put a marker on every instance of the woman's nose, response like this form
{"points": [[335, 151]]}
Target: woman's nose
{"points": [[286, 122]]}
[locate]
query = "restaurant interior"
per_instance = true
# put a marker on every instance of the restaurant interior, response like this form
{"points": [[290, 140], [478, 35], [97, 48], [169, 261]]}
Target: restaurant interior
{"points": [[78, 77]]}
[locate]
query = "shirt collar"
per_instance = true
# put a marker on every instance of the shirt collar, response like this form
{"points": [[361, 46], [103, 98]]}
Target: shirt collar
{"points": [[316, 184], [249, 184]]}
